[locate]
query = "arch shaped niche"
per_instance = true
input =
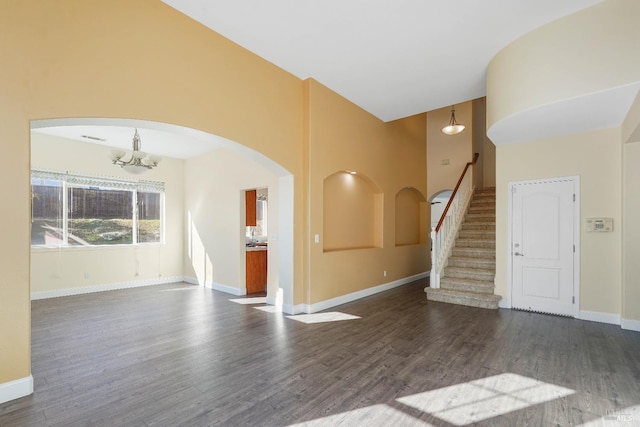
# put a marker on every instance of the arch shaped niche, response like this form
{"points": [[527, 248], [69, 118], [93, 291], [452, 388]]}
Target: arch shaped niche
{"points": [[411, 217], [281, 293], [352, 212]]}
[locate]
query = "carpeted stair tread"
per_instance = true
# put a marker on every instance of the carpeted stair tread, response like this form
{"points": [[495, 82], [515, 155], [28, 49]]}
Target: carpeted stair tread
{"points": [[468, 278], [474, 252], [472, 262], [472, 299]]}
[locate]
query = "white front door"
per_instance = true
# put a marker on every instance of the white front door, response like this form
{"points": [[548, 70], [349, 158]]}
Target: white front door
{"points": [[542, 246]]}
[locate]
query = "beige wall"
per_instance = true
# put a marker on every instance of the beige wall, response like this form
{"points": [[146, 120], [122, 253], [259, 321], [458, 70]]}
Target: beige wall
{"points": [[392, 155], [580, 54], [214, 188], [631, 236], [596, 157], [66, 268], [456, 148], [631, 212]]}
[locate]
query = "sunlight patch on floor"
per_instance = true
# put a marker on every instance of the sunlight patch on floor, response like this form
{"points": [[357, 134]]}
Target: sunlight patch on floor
{"points": [[485, 398], [332, 316], [249, 301], [375, 415]]}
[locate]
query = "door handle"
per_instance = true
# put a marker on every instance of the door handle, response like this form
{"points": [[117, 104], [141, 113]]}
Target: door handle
{"points": [[518, 254]]}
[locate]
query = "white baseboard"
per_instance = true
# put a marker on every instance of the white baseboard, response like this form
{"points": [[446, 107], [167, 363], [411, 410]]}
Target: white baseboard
{"points": [[228, 289], [596, 316], [106, 287], [503, 303], [343, 299], [631, 325], [191, 280], [16, 389], [295, 309], [216, 286]]}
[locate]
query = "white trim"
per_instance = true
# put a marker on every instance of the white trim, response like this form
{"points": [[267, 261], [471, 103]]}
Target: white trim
{"points": [[227, 289], [343, 299], [294, 309], [16, 389], [503, 303], [576, 238], [631, 325], [103, 288], [216, 286], [191, 280], [576, 242], [596, 316]]}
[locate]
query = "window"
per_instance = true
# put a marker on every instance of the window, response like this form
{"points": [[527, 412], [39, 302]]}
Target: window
{"points": [[76, 210]]}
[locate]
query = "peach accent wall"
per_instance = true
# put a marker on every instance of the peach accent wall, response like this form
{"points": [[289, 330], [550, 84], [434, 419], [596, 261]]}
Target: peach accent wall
{"points": [[343, 137], [352, 212], [457, 149], [144, 60], [141, 60], [410, 224]]}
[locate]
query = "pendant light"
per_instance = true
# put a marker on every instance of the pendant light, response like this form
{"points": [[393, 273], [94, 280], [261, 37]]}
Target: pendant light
{"points": [[453, 128]]}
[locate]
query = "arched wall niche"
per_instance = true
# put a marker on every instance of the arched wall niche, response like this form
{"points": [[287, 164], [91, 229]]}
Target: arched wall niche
{"points": [[411, 217], [352, 212]]}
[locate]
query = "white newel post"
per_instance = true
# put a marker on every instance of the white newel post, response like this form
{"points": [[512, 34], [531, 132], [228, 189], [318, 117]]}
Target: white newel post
{"points": [[434, 277]]}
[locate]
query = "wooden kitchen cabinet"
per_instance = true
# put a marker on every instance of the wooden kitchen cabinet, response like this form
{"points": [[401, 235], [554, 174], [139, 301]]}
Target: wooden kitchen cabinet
{"points": [[256, 263], [250, 202]]}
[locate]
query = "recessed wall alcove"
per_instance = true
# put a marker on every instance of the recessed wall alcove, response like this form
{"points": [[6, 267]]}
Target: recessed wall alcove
{"points": [[352, 213], [411, 217]]}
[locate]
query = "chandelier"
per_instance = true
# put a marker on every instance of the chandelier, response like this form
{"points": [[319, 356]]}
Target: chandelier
{"points": [[138, 161], [453, 127]]}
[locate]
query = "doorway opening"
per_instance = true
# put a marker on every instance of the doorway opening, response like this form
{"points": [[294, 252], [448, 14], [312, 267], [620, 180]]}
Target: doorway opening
{"points": [[193, 245]]}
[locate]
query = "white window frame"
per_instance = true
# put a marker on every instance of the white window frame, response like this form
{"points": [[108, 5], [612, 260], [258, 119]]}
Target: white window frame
{"points": [[77, 180]]}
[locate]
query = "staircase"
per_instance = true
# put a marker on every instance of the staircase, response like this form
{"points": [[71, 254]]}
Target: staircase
{"points": [[468, 277]]}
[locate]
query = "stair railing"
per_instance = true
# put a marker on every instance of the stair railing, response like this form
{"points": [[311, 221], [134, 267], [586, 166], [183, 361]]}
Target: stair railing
{"points": [[444, 234]]}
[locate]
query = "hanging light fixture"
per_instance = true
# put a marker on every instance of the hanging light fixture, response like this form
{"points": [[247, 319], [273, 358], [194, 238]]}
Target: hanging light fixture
{"points": [[453, 127], [139, 162]]}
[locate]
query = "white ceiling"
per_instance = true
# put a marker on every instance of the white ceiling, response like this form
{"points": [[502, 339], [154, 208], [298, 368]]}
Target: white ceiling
{"points": [[156, 138], [392, 58]]}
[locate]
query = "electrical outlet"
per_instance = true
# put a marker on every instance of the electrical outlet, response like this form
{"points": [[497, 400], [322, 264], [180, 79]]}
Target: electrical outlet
{"points": [[385, 273]]}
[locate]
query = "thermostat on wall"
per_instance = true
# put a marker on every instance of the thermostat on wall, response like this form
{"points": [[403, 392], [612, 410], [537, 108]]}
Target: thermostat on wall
{"points": [[600, 224]]}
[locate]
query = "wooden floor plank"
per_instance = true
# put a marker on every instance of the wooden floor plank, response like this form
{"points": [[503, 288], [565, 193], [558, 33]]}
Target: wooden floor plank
{"points": [[178, 354]]}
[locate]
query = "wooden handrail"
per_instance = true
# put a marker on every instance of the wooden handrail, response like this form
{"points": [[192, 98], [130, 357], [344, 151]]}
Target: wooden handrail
{"points": [[455, 190]]}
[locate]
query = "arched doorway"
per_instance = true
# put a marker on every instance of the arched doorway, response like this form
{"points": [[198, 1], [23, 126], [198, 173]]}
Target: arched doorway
{"points": [[280, 289]]}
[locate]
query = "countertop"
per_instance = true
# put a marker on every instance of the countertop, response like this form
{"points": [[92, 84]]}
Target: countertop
{"points": [[256, 248]]}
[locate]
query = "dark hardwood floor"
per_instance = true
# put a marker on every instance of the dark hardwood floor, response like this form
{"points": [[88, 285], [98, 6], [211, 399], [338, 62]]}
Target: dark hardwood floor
{"points": [[174, 355]]}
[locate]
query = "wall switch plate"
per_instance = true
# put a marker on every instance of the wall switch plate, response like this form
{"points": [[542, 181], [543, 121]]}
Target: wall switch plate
{"points": [[445, 162], [316, 238]]}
